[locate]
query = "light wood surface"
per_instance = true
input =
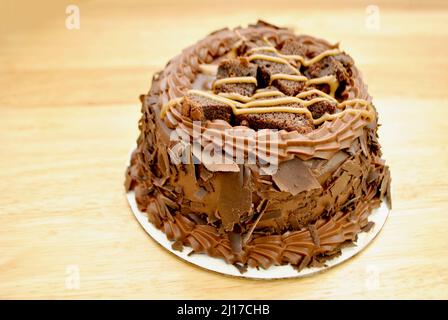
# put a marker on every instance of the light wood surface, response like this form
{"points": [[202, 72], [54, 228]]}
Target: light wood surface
{"points": [[68, 119]]}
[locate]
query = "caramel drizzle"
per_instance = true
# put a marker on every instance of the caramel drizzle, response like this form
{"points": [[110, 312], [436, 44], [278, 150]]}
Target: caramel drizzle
{"points": [[271, 105], [265, 94], [241, 98], [284, 59], [273, 59], [232, 80], [258, 106], [285, 76], [330, 80], [241, 104], [307, 93], [273, 93], [302, 60], [235, 96], [369, 114], [266, 40]]}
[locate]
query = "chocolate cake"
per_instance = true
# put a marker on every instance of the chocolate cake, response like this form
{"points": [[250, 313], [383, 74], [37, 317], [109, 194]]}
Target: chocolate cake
{"points": [[259, 146]]}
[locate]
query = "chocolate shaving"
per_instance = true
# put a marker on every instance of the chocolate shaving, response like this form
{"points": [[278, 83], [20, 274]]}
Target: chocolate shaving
{"points": [[235, 197], [204, 173], [331, 165], [128, 182], [241, 267], [368, 226], [340, 184], [235, 242], [178, 246], [352, 168], [294, 177], [197, 219], [314, 234]]}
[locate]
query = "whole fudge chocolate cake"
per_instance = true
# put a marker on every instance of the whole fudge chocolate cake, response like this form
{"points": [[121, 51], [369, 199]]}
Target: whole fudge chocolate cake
{"points": [[259, 146]]}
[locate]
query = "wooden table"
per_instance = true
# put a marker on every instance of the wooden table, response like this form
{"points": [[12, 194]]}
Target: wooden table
{"points": [[68, 119]]}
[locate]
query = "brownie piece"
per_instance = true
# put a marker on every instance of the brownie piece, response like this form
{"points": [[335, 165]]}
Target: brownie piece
{"points": [[269, 68], [318, 109], [277, 120], [247, 45], [288, 87], [339, 66], [294, 47], [302, 46], [346, 61], [200, 108], [239, 67]]}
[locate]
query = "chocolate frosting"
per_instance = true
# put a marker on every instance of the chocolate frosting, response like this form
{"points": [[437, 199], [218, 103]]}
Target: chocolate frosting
{"points": [[326, 185]]}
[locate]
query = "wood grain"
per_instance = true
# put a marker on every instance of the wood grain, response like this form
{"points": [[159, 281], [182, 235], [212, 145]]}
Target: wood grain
{"points": [[69, 110]]}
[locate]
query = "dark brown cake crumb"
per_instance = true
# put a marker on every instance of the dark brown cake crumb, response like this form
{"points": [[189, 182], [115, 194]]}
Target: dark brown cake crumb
{"points": [[240, 67], [199, 108]]}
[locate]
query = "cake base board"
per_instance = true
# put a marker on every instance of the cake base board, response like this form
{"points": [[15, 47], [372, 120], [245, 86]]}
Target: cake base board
{"points": [[378, 216]]}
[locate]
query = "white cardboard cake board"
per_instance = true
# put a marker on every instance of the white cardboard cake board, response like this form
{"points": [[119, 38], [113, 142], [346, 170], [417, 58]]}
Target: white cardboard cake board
{"points": [[378, 216]]}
